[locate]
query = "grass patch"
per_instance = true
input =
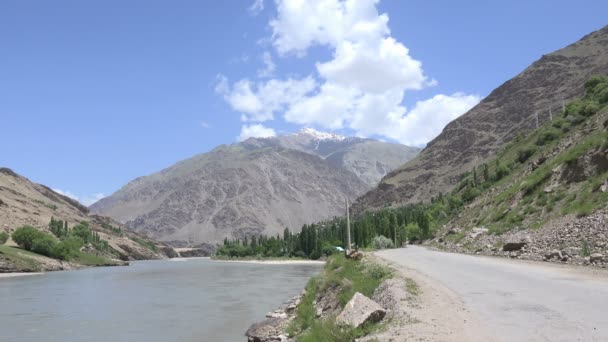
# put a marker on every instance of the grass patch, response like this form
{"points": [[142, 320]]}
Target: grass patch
{"points": [[92, 260], [411, 287], [350, 276], [22, 259], [146, 243]]}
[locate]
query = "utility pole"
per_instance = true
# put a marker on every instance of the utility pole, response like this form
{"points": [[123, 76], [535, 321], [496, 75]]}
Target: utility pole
{"points": [[348, 245]]}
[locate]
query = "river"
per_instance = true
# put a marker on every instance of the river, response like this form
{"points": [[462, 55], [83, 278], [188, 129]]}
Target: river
{"points": [[161, 300]]}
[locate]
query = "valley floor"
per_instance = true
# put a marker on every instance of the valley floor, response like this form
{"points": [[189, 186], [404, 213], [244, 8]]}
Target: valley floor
{"points": [[472, 298]]}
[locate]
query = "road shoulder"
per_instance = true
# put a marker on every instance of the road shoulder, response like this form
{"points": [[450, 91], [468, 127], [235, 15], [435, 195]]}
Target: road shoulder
{"points": [[432, 312]]}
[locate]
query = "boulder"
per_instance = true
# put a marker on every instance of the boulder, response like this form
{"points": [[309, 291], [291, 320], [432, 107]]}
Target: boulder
{"points": [[267, 330], [355, 255], [513, 246], [475, 232], [596, 257], [553, 254], [360, 310], [328, 304]]}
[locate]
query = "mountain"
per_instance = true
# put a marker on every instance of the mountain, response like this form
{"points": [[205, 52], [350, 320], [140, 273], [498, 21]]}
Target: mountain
{"points": [[261, 185], [23, 202], [510, 110], [544, 196]]}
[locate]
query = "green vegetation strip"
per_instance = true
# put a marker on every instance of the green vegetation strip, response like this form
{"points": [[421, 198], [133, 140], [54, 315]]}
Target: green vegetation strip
{"points": [[348, 276]]}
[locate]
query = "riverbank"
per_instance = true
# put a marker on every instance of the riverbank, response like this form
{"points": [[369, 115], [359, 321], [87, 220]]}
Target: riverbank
{"points": [[19, 274], [345, 302], [272, 261]]}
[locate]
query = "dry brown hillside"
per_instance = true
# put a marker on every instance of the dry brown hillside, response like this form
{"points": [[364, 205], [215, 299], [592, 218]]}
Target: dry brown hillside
{"points": [[23, 202]]}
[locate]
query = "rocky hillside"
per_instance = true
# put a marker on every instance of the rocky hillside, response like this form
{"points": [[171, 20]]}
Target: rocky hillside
{"points": [[261, 185], [508, 111], [545, 196], [23, 202]]}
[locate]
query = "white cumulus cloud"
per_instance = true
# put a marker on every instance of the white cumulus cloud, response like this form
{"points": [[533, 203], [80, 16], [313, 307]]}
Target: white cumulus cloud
{"points": [[362, 86], [269, 66], [86, 200], [259, 101], [255, 131]]}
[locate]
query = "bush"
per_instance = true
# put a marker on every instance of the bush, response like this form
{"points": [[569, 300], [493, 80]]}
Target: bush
{"points": [[470, 193], [25, 236], [502, 171], [591, 109], [67, 249], [524, 154], [3, 237], [43, 244], [547, 136], [413, 232], [382, 242]]}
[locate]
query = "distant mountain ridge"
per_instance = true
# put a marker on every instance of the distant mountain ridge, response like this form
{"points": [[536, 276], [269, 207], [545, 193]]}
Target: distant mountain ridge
{"points": [[260, 185], [509, 110]]}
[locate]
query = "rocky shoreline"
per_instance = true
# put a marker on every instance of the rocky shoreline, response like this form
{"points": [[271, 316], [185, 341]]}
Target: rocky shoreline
{"points": [[274, 326]]}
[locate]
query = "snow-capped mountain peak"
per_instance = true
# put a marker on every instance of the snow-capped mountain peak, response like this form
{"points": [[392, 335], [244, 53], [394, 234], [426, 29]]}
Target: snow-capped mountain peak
{"points": [[320, 135]]}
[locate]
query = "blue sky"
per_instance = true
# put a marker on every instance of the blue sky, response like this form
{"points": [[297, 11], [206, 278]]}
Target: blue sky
{"points": [[96, 93]]}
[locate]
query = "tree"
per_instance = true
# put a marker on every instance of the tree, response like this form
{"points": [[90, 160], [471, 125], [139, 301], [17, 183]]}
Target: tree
{"points": [[3, 237], [25, 236], [43, 244]]}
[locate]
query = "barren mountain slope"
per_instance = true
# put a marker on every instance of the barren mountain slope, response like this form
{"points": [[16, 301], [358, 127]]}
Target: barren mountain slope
{"points": [[261, 185], [233, 191], [509, 110], [369, 159]]}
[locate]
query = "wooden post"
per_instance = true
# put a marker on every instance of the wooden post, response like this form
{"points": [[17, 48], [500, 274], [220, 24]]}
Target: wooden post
{"points": [[348, 244], [550, 114], [536, 113]]}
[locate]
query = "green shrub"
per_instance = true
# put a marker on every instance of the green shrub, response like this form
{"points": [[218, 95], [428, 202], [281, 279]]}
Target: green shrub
{"points": [[25, 236], [67, 249], [470, 193], [591, 109], [382, 242], [43, 244], [413, 232], [574, 108], [547, 136], [525, 153], [591, 86], [502, 171], [3, 237]]}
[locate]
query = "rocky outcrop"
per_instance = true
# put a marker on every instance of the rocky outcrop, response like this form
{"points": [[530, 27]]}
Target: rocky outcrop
{"points": [[509, 110], [360, 310], [259, 186], [274, 327]]}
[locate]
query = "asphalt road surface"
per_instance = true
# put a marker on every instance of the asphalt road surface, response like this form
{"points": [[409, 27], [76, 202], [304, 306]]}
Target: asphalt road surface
{"points": [[517, 300]]}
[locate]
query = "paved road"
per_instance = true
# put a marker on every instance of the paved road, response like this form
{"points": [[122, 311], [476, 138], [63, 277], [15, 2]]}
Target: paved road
{"points": [[516, 300]]}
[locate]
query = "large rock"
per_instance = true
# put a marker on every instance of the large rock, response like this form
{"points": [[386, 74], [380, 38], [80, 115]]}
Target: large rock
{"points": [[512, 246], [360, 310], [270, 329], [596, 257], [475, 232]]}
